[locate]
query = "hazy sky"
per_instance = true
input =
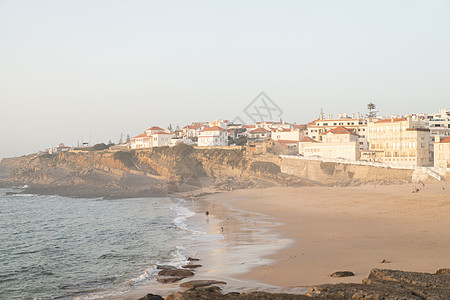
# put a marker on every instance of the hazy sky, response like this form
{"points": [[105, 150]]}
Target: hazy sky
{"points": [[98, 68]]}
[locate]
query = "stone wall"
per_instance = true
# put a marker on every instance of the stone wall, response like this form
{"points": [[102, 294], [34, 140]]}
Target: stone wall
{"points": [[343, 174]]}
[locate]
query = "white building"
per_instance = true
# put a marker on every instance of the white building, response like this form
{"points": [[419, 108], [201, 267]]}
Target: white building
{"points": [[287, 135], [442, 152], [359, 126], [213, 136], [337, 143], [258, 135], [153, 137]]}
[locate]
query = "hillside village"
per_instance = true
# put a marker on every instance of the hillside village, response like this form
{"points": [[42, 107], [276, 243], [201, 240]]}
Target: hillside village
{"points": [[411, 141]]}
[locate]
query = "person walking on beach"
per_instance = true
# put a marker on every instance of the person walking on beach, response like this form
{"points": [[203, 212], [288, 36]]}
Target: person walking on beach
{"points": [[207, 216]]}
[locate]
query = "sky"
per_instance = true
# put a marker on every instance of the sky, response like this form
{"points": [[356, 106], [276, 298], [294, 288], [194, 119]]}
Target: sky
{"points": [[91, 70]]}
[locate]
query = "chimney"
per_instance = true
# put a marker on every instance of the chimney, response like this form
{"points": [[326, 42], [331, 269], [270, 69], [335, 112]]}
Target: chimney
{"points": [[437, 139], [353, 115]]}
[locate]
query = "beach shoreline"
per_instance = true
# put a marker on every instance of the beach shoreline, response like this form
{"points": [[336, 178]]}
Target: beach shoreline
{"points": [[350, 228]]}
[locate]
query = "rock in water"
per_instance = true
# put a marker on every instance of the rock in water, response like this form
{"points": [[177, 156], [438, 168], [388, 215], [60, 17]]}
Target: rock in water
{"points": [[170, 279], [339, 274], [192, 259], [191, 266], [176, 272], [198, 283]]}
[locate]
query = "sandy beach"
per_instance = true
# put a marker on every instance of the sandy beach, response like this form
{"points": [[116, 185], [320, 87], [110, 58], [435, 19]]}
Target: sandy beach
{"points": [[285, 239], [348, 228]]}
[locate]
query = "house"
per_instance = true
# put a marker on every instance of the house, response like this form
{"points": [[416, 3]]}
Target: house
{"points": [[258, 135], [153, 137], [400, 141], [337, 143], [219, 123], [58, 149], [213, 136], [287, 135], [442, 152], [192, 131], [161, 138]]}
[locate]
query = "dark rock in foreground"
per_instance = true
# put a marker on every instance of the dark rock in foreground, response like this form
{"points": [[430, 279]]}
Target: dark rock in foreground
{"points": [[170, 279], [245, 296], [389, 284], [151, 297], [198, 283], [339, 274], [381, 284]]}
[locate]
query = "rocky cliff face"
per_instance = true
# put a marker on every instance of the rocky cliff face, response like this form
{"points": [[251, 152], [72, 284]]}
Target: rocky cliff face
{"points": [[142, 172]]}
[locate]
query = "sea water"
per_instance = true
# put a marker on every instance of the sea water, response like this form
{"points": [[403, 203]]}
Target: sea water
{"points": [[54, 247]]}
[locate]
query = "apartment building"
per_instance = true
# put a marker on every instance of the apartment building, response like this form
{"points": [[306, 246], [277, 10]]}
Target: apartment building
{"points": [[358, 125], [337, 143], [442, 152], [399, 140]]}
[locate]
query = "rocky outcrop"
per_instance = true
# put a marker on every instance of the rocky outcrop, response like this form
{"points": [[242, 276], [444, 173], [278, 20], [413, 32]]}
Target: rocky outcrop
{"points": [[193, 284], [390, 284], [340, 274]]}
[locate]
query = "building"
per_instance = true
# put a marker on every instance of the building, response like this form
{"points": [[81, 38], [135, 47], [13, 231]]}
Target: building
{"points": [[287, 135], [400, 141], [192, 131], [258, 135], [337, 143], [442, 152], [213, 136], [153, 137], [58, 149], [358, 125]]}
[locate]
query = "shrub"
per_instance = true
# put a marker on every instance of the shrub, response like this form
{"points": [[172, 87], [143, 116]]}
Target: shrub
{"points": [[126, 158], [265, 167], [101, 146]]}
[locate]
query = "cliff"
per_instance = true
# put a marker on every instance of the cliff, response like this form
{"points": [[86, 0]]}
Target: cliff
{"points": [[147, 172]]}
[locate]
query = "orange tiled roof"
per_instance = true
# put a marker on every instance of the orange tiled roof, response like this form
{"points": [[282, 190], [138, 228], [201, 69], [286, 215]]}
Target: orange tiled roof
{"points": [[288, 141], [259, 130], [155, 128], [214, 128], [248, 126], [140, 136], [395, 120], [307, 139], [160, 132], [446, 140], [340, 130]]}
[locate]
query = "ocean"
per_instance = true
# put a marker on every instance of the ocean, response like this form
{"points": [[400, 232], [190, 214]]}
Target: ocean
{"points": [[54, 247]]}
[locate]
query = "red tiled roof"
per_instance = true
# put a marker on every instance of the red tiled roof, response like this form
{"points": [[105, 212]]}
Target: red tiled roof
{"points": [[288, 141], [160, 132], [307, 139], [340, 130], [140, 136], [155, 128], [214, 128], [313, 122], [394, 120], [259, 130], [248, 126], [446, 140], [286, 130]]}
